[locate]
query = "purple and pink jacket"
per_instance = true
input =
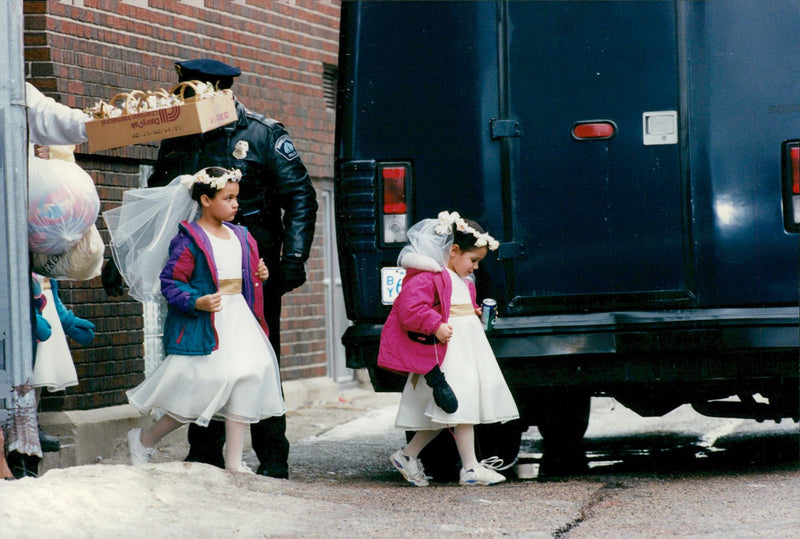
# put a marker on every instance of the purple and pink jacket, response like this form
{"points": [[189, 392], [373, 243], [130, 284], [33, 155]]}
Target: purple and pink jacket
{"points": [[421, 307], [190, 273]]}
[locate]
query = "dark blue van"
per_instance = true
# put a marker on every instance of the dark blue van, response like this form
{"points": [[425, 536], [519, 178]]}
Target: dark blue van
{"points": [[638, 160]]}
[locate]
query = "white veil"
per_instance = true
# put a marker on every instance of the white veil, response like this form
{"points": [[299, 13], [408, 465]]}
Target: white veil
{"points": [[431, 238], [141, 229]]}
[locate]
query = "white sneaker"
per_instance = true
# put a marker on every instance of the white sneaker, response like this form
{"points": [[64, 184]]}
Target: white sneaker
{"points": [[410, 467], [480, 475], [139, 453]]}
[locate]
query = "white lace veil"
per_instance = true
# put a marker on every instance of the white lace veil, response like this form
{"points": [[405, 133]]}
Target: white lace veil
{"points": [[141, 229], [424, 239]]}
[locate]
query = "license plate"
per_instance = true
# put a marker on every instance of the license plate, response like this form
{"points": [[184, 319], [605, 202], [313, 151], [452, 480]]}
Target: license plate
{"points": [[391, 282]]}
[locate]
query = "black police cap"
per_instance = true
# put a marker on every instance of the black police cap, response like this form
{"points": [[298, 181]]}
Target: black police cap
{"points": [[206, 70]]}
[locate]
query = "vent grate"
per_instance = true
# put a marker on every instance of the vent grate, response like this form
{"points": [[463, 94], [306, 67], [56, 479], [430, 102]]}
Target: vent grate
{"points": [[356, 204], [330, 77]]}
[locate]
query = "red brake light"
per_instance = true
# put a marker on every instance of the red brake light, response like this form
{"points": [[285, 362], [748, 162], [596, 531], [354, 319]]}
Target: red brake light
{"points": [[394, 190], [791, 185], [594, 130]]}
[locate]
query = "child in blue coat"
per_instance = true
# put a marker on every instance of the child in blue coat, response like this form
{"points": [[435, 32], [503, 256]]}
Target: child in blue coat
{"points": [[53, 365], [220, 364]]}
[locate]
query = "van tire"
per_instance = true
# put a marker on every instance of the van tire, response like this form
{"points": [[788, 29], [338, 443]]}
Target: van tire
{"points": [[562, 422]]}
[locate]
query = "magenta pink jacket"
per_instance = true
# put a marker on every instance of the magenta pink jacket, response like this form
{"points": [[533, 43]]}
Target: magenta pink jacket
{"points": [[422, 306]]}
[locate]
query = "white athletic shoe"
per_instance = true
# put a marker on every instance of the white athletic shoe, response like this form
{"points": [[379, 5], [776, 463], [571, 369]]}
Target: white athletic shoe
{"points": [[139, 453], [480, 475], [244, 468], [411, 468]]}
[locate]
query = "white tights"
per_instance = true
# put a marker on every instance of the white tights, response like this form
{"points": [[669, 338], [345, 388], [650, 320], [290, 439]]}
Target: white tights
{"points": [[234, 438], [465, 443]]}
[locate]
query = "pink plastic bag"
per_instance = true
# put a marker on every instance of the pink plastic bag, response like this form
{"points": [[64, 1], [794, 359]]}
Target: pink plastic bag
{"points": [[62, 205]]}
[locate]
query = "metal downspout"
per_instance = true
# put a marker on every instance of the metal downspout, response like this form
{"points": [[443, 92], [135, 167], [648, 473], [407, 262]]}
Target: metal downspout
{"points": [[16, 357]]}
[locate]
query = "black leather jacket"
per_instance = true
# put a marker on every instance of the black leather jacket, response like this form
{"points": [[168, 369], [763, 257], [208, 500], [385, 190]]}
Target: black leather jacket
{"points": [[274, 179]]}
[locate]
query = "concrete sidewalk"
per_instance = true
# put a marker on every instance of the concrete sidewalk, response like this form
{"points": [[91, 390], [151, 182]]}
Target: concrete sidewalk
{"points": [[99, 436]]}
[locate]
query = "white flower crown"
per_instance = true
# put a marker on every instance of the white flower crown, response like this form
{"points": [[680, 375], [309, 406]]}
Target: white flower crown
{"points": [[201, 176], [445, 226]]}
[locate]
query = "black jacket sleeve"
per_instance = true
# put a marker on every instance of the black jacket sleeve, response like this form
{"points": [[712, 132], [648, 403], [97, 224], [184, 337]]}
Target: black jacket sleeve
{"points": [[296, 195], [298, 200]]}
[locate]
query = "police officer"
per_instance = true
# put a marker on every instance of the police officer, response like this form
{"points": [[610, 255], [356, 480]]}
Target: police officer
{"points": [[278, 205]]}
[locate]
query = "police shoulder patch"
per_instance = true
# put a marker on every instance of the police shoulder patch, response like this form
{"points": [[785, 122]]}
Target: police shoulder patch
{"points": [[285, 147]]}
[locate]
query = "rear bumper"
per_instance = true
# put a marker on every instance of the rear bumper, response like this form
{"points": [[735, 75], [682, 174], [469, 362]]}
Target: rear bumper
{"points": [[717, 330], [601, 350]]}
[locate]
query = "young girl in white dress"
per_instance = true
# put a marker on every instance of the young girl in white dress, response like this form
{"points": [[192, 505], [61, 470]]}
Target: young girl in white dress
{"points": [[463, 385], [54, 367], [220, 364]]}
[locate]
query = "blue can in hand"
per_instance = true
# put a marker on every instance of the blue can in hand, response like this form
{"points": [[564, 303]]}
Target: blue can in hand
{"points": [[488, 313]]}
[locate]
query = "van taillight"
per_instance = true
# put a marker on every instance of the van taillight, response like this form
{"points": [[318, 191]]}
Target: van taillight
{"points": [[395, 180], [394, 190], [791, 186], [597, 130]]}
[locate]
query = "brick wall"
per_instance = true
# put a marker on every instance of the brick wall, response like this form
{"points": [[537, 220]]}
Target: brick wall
{"points": [[79, 51]]}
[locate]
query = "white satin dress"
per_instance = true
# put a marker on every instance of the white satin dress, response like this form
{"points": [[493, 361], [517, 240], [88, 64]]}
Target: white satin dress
{"points": [[54, 367], [239, 381], [470, 368]]}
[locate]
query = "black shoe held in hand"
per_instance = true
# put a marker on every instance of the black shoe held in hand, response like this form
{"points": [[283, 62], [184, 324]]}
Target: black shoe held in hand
{"points": [[112, 279], [443, 394]]}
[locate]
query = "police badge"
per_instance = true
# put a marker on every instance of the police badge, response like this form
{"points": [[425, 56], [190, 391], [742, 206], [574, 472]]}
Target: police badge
{"points": [[285, 147], [241, 149]]}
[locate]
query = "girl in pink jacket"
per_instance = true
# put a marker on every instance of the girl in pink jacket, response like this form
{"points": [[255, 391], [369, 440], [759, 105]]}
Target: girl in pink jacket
{"points": [[433, 330]]}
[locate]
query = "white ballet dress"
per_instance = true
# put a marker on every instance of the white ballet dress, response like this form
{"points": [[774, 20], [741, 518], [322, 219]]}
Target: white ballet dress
{"points": [[471, 370], [240, 380], [54, 367]]}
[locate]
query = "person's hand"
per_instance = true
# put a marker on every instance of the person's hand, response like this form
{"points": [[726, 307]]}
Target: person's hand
{"points": [[81, 330], [444, 333], [211, 303], [43, 330], [112, 279], [262, 272], [293, 274], [42, 152]]}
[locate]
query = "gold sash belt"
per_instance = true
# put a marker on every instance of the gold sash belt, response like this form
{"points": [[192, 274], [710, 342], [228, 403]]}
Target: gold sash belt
{"points": [[462, 309], [230, 286]]}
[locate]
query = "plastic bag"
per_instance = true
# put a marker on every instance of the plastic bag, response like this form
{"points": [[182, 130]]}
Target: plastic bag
{"points": [[62, 205], [80, 263]]}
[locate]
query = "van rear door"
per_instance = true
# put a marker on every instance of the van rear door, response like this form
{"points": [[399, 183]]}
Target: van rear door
{"points": [[597, 197]]}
